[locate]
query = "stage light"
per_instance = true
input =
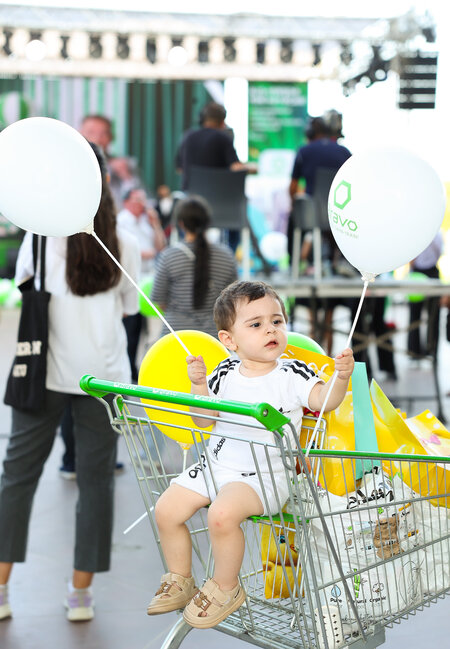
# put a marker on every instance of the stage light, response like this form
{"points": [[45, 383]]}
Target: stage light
{"points": [[64, 43], [346, 55], [177, 56], [150, 50], [430, 33], [286, 51], [317, 57], [203, 51], [7, 34], [35, 49], [95, 46], [229, 50], [378, 67], [123, 48], [260, 52]]}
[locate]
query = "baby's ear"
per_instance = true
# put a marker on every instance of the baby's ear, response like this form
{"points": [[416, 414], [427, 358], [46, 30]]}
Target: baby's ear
{"points": [[226, 339]]}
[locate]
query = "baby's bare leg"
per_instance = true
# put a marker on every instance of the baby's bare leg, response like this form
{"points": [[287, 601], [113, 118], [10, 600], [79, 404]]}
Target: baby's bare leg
{"points": [[235, 502], [173, 508]]}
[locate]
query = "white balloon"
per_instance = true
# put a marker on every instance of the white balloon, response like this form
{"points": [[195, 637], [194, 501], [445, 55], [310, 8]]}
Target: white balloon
{"points": [[385, 206], [50, 180], [273, 246]]}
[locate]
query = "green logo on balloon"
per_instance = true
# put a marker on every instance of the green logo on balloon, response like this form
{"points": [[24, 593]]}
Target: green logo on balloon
{"points": [[342, 194]]}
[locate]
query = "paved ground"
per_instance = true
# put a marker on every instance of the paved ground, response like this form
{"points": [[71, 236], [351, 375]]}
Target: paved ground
{"points": [[38, 586]]}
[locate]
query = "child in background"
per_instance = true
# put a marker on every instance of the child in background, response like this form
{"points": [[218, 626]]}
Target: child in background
{"points": [[251, 321]]}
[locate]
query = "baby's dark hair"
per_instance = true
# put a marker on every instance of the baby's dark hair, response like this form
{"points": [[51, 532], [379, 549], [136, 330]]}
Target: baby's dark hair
{"points": [[226, 303]]}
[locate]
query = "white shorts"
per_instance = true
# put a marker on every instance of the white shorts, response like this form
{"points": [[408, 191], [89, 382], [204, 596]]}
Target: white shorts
{"points": [[197, 477]]}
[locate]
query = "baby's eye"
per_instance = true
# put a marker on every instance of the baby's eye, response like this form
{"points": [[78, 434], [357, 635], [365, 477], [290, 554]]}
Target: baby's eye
{"points": [[278, 321], [255, 324]]}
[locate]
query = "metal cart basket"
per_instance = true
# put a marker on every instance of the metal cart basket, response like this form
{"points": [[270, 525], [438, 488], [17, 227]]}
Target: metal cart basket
{"points": [[337, 565]]}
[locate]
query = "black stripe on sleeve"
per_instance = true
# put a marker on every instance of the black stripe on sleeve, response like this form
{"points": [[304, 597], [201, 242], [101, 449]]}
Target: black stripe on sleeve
{"points": [[298, 367], [228, 365]]}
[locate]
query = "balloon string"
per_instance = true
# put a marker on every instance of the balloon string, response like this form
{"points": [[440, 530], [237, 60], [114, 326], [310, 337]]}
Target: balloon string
{"points": [[332, 381], [146, 298]]}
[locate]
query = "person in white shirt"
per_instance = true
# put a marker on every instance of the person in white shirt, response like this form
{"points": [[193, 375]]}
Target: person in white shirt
{"points": [[89, 297], [144, 224]]}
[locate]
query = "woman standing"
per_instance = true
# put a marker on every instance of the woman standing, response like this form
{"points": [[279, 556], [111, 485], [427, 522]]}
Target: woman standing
{"points": [[191, 275], [89, 298]]}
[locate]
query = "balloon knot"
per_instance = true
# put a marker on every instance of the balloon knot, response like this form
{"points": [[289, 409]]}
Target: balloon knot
{"points": [[368, 277], [89, 229]]}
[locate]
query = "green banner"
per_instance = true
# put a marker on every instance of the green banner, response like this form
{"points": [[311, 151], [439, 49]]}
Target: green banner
{"points": [[277, 115]]}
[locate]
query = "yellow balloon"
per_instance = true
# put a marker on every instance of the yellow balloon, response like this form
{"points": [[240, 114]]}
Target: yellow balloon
{"points": [[164, 367]]}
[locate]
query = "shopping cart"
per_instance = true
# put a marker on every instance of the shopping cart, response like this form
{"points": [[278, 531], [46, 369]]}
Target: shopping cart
{"points": [[331, 569]]}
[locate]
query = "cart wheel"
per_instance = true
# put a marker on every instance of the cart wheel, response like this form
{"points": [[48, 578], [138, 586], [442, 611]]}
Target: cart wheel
{"points": [[332, 624]]}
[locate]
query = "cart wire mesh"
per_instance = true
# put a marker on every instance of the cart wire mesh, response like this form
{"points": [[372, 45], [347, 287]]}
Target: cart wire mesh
{"points": [[336, 565]]}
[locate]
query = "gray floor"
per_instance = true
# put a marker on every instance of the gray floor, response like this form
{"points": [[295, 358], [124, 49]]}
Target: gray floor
{"points": [[38, 586]]}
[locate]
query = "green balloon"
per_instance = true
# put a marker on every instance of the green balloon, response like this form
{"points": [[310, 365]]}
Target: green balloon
{"points": [[144, 307], [7, 286], [304, 342], [416, 277]]}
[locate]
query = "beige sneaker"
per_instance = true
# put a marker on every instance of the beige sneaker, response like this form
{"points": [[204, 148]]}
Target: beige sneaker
{"points": [[175, 592], [212, 605]]}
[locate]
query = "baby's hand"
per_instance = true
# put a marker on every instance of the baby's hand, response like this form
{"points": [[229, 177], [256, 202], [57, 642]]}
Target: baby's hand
{"points": [[344, 364], [196, 369]]}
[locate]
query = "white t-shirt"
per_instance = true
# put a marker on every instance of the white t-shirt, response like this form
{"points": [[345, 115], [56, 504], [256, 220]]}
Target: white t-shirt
{"points": [[286, 388], [140, 228], [86, 334]]}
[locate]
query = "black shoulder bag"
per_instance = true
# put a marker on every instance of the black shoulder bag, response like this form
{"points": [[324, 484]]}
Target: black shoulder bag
{"points": [[25, 388]]}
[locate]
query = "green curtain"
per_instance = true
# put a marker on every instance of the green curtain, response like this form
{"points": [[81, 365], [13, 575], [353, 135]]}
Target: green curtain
{"points": [[149, 117]]}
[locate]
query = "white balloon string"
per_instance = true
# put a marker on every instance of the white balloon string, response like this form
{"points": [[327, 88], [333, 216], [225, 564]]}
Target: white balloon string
{"points": [[136, 522], [332, 381], [146, 298]]}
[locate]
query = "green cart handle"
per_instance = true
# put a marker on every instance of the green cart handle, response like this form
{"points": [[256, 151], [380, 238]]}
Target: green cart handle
{"points": [[264, 413]]}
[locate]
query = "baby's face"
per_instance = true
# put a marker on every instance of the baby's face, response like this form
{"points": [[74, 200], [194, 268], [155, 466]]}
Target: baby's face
{"points": [[259, 331]]}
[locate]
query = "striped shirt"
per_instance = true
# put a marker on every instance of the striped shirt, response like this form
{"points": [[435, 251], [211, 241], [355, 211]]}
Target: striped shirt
{"points": [[173, 286]]}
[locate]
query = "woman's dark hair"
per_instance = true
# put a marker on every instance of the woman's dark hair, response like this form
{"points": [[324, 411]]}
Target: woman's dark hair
{"points": [[89, 270], [194, 214]]}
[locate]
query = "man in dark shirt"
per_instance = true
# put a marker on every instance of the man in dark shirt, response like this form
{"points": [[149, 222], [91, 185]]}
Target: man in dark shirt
{"points": [[321, 151], [211, 145]]}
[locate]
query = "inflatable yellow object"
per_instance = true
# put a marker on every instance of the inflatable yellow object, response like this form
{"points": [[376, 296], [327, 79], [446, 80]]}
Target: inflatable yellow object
{"points": [[164, 366], [336, 475], [423, 434], [395, 435], [276, 564], [431, 433]]}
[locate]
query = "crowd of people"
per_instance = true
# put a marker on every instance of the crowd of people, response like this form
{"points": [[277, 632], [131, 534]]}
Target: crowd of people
{"points": [[194, 283]]}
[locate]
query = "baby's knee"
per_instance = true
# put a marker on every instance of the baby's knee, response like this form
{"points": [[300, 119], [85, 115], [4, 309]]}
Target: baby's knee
{"points": [[161, 514], [166, 513], [221, 518]]}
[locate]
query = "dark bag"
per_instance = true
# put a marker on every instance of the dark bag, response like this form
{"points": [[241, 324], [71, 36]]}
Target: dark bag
{"points": [[25, 388]]}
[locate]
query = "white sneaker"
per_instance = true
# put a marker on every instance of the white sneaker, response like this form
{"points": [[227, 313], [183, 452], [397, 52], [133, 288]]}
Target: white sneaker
{"points": [[5, 609], [79, 604]]}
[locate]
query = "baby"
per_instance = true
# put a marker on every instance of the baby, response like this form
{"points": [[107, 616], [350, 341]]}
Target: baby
{"points": [[251, 321]]}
